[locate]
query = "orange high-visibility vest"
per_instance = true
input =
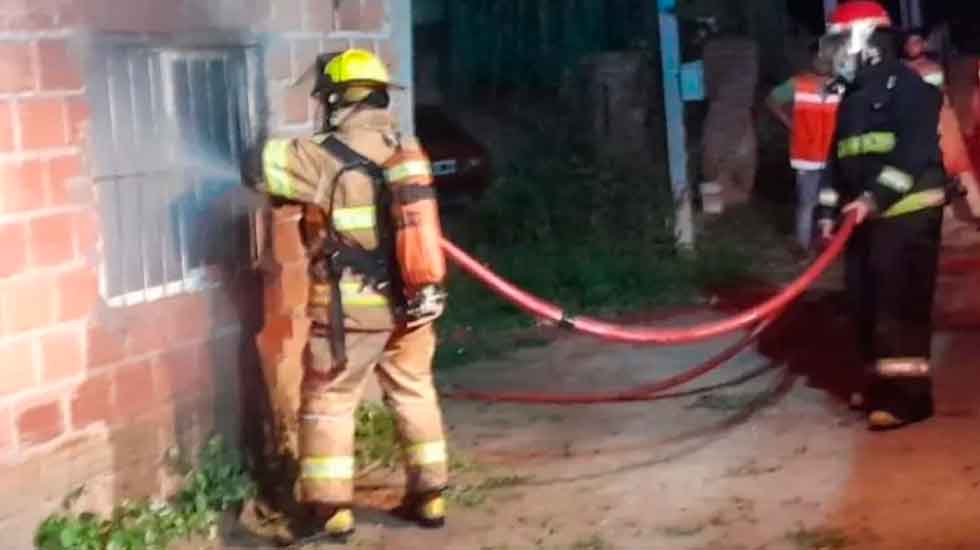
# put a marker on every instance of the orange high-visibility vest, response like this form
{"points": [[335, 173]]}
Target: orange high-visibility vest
{"points": [[814, 122]]}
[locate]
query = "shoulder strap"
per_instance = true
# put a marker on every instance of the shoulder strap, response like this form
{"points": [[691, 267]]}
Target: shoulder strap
{"points": [[350, 159]]}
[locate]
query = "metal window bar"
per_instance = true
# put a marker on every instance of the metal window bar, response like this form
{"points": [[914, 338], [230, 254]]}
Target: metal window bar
{"points": [[170, 125]]}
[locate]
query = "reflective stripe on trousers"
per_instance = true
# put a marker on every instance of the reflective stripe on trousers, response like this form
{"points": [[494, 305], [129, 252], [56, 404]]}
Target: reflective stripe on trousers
{"points": [[327, 467]]}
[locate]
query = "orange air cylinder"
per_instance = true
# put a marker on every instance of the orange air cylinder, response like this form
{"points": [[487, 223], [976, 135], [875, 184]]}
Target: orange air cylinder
{"points": [[418, 231]]}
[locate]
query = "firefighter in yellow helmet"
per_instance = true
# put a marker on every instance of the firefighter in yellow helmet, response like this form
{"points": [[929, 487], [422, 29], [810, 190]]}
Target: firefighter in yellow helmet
{"points": [[376, 269]]}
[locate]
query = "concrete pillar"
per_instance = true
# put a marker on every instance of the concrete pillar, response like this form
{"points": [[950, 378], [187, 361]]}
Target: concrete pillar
{"points": [[401, 38]]}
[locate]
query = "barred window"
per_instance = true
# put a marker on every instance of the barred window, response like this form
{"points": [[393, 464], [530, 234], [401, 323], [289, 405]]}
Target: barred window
{"points": [[169, 126]]}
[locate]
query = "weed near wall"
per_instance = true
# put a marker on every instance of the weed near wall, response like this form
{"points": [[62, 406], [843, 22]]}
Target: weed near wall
{"points": [[215, 485]]}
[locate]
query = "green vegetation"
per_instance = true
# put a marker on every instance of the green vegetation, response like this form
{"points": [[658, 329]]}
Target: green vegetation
{"points": [[471, 496], [376, 437], [215, 485], [819, 539], [595, 542]]}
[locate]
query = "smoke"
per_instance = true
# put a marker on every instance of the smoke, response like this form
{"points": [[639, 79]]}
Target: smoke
{"points": [[211, 167]]}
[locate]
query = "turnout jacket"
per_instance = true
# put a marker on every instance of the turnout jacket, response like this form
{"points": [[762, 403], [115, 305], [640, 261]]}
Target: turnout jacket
{"points": [[886, 146]]}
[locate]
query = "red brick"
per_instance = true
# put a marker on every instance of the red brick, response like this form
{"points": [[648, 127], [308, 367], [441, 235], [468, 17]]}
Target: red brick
{"points": [[88, 230], [28, 16], [78, 294], [6, 429], [40, 423], [73, 12], [192, 319], [52, 240], [245, 13], [61, 355], [389, 56], [60, 70], [348, 17], [13, 255], [134, 390], [176, 374], [92, 402], [277, 60], [64, 172], [205, 376], [105, 346], [334, 44], [22, 186], [373, 15], [17, 67], [19, 373], [295, 105], [287, 15], [147, 335], [291, 288], [78, 120], [28, 304], [167, 16], [318, 16], [43, 123], [364, 44], [304, 55], [7, 141], [287, 242]]}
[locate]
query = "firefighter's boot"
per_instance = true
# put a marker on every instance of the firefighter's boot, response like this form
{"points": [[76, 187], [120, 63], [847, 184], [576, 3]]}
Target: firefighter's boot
{"points": [[338, 523], [428, 510], [894, 402]]}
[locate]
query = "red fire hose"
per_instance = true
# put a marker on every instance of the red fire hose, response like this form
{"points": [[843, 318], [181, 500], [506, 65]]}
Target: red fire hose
{"points": [[646, 392], [761, 316], [653, 335]]}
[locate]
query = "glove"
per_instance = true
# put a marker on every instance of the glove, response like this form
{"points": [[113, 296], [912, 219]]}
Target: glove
{"points": [[428, 302]]}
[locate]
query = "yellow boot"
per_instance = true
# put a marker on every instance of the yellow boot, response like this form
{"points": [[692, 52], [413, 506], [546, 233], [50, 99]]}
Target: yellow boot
{"points": [[429, 510], [339, 524]]}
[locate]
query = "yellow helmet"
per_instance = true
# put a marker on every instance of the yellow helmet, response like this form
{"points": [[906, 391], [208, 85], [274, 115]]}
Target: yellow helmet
{"points": [[356, 66]]}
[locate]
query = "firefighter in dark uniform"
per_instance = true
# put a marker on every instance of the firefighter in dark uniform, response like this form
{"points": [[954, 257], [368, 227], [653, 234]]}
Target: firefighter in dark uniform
{"points": [[888, 172]]}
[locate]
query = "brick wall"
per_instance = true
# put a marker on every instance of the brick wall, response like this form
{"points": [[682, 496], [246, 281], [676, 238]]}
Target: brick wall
{"points": [[95, 395]]}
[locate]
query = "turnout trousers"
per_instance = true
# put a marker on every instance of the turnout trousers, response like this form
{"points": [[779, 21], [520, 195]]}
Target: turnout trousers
{"points": [[402, 360], [892, 265]]}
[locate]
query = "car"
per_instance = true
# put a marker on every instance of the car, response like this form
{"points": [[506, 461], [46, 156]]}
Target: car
{"points": [[460, 164]]}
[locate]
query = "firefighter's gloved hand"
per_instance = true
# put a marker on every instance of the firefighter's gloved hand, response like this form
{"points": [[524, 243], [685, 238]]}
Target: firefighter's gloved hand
{"points": [[863, 208], [429, 301]]}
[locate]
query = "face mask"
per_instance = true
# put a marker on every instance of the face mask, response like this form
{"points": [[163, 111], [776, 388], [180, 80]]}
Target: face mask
{"points": [[845, 66], [835, 49], [848, 49]]}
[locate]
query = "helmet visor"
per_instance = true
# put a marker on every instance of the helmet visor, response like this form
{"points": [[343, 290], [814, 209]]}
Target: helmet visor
{"points": [[837, 52]]}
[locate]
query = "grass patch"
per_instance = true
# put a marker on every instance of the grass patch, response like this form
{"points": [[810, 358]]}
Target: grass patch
{"points": [[683, 532], [595, 542], [376, 442], [474, 495], [824, 538]]}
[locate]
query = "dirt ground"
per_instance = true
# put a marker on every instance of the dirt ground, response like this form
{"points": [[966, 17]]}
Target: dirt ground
{"points": [[762, 455]]}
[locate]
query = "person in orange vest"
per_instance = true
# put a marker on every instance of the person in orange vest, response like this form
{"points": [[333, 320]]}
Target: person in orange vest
{"points": [[809, 111]]}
